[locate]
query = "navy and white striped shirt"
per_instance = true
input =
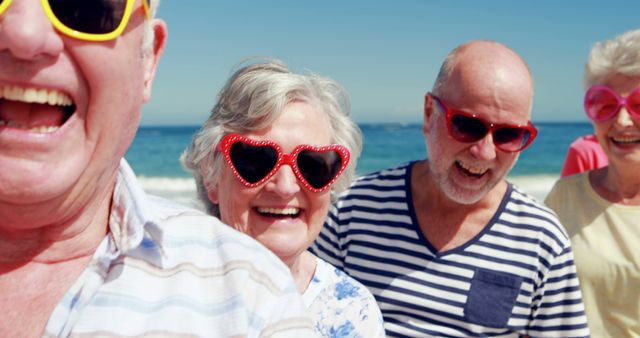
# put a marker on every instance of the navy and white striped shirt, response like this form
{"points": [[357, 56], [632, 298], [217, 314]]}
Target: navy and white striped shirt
{"points": [[516, 277]]}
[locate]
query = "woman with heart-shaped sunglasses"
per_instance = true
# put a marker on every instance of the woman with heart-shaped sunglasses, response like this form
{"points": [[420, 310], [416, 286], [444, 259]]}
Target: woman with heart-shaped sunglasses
{"points": [[277, 147]]}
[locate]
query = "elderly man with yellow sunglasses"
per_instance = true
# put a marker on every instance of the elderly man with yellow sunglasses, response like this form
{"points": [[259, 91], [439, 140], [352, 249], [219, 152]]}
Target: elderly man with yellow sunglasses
{"points": [[83, 250]]}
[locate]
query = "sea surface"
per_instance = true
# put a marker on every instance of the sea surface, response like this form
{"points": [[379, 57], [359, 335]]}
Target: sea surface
{"points": [[154, 155]]}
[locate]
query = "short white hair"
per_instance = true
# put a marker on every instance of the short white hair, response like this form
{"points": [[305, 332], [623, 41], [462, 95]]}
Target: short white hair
{"points": [[618, 56], [149, 35]]}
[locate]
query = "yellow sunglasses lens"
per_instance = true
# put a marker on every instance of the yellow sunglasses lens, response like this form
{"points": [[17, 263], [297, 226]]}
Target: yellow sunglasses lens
{"points": [[93, 20], [89, 16]]}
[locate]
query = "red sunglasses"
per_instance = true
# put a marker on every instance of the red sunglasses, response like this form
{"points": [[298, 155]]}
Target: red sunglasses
{"points": [[602, 103], [254, 162], [469, 128]]}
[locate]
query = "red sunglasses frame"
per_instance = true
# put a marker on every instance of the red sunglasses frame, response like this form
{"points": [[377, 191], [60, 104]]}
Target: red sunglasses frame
{"points": [[490, 127], [229, 140], [621, 101]]}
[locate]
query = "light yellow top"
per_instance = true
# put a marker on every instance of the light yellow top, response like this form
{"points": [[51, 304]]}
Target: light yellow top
{"points": [[606, 243]]}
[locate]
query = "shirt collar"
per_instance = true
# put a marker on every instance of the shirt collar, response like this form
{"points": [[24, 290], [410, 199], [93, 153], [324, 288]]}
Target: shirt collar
{"points": [[132, 215]]}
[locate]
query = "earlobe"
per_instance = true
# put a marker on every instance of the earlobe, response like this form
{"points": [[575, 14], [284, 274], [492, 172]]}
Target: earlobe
{"points": [[212, 194], [152, 55]]}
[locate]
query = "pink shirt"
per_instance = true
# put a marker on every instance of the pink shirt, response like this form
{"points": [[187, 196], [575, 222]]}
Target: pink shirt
{"points": [[584, 154]]}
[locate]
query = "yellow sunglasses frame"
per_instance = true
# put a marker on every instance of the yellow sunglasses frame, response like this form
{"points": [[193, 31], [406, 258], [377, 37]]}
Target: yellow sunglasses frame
{"points": [[88, 36]]}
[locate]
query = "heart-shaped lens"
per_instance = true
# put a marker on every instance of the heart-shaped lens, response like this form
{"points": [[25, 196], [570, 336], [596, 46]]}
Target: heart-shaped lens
{"points": [[319, 168], [253, 163]]}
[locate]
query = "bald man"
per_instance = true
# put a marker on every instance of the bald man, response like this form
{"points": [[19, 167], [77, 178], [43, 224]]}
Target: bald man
{"points": [[447, 245]]}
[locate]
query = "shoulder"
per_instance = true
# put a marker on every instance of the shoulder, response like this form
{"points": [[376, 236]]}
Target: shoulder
{"points": [[342, 286], [565, 187], [535, 220], [192, 240], [343, 305], [379, 186], [372, 195], [570, 181], [189, 265], [389, 174]]}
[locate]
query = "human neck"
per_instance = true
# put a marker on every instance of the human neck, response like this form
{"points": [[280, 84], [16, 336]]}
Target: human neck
{"points": [[69, 237], [302, 269], [618, 186], [447, 224]]}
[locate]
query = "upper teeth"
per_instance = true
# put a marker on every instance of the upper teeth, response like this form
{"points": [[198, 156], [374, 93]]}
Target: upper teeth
{"points": [[626, 139], [473, 170], [285, 211], [35, 95]]}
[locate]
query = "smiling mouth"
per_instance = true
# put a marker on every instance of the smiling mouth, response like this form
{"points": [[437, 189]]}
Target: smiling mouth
{"points": [[279, 213], [624, 140], [471, 171], [37, 110]]}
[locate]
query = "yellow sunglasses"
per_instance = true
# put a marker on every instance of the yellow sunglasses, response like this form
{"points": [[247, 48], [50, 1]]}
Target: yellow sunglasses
{"points": [[90, 20]]}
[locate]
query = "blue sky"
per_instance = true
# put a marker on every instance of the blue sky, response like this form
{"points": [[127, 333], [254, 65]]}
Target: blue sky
{"points": [[386, 53]]}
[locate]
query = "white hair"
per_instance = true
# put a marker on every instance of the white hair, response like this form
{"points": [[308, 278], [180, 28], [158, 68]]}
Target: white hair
{"points": [[618, 56], [252, 99], [149, 35]]}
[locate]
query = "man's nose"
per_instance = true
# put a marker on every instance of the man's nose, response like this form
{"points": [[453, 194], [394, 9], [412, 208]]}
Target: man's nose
{"points": [[27, 33], [484, 149]]}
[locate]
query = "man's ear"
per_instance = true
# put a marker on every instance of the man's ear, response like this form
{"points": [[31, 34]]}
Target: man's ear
{"points": [[427, 112], [152, 55]]}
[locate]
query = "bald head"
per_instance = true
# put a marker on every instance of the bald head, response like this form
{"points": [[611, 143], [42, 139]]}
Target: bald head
{"points": [[487, 71]]}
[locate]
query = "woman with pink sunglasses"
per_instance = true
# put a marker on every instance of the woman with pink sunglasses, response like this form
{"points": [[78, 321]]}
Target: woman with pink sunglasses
{"points": [[601, 208], [277, 147]]}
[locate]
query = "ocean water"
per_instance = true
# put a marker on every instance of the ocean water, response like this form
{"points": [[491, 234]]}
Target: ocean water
{"points": [[154, 155]]}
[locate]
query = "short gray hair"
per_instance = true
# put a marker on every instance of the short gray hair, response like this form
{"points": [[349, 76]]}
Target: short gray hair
{"points": [[149, 35], [618, 56], [252, 99]]}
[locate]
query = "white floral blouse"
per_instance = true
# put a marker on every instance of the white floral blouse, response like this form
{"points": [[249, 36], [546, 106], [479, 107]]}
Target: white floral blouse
{"points": [[340, 306]]}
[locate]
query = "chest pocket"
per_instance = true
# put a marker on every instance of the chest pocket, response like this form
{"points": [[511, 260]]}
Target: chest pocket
{"points": [[492, 297]]}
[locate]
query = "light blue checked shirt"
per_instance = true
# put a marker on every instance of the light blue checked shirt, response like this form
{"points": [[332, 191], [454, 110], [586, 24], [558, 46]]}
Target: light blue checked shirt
{"points": [[167, 270]]}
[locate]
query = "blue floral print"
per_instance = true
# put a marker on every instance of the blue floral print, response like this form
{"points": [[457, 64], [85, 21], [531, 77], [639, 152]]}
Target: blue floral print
{"points": [[340, 306]]}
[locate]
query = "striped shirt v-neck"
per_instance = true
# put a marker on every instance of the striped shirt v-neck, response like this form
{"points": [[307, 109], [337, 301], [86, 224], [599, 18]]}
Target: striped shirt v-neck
{"points": [[516, 277]]}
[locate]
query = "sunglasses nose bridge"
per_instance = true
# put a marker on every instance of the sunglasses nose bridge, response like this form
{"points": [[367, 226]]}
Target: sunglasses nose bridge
{"points": [[289, 159]]}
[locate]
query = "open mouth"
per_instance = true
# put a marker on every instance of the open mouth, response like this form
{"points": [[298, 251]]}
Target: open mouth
{"points": [[279, 213], [37, 110], [625, 140], [471, 171]]}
